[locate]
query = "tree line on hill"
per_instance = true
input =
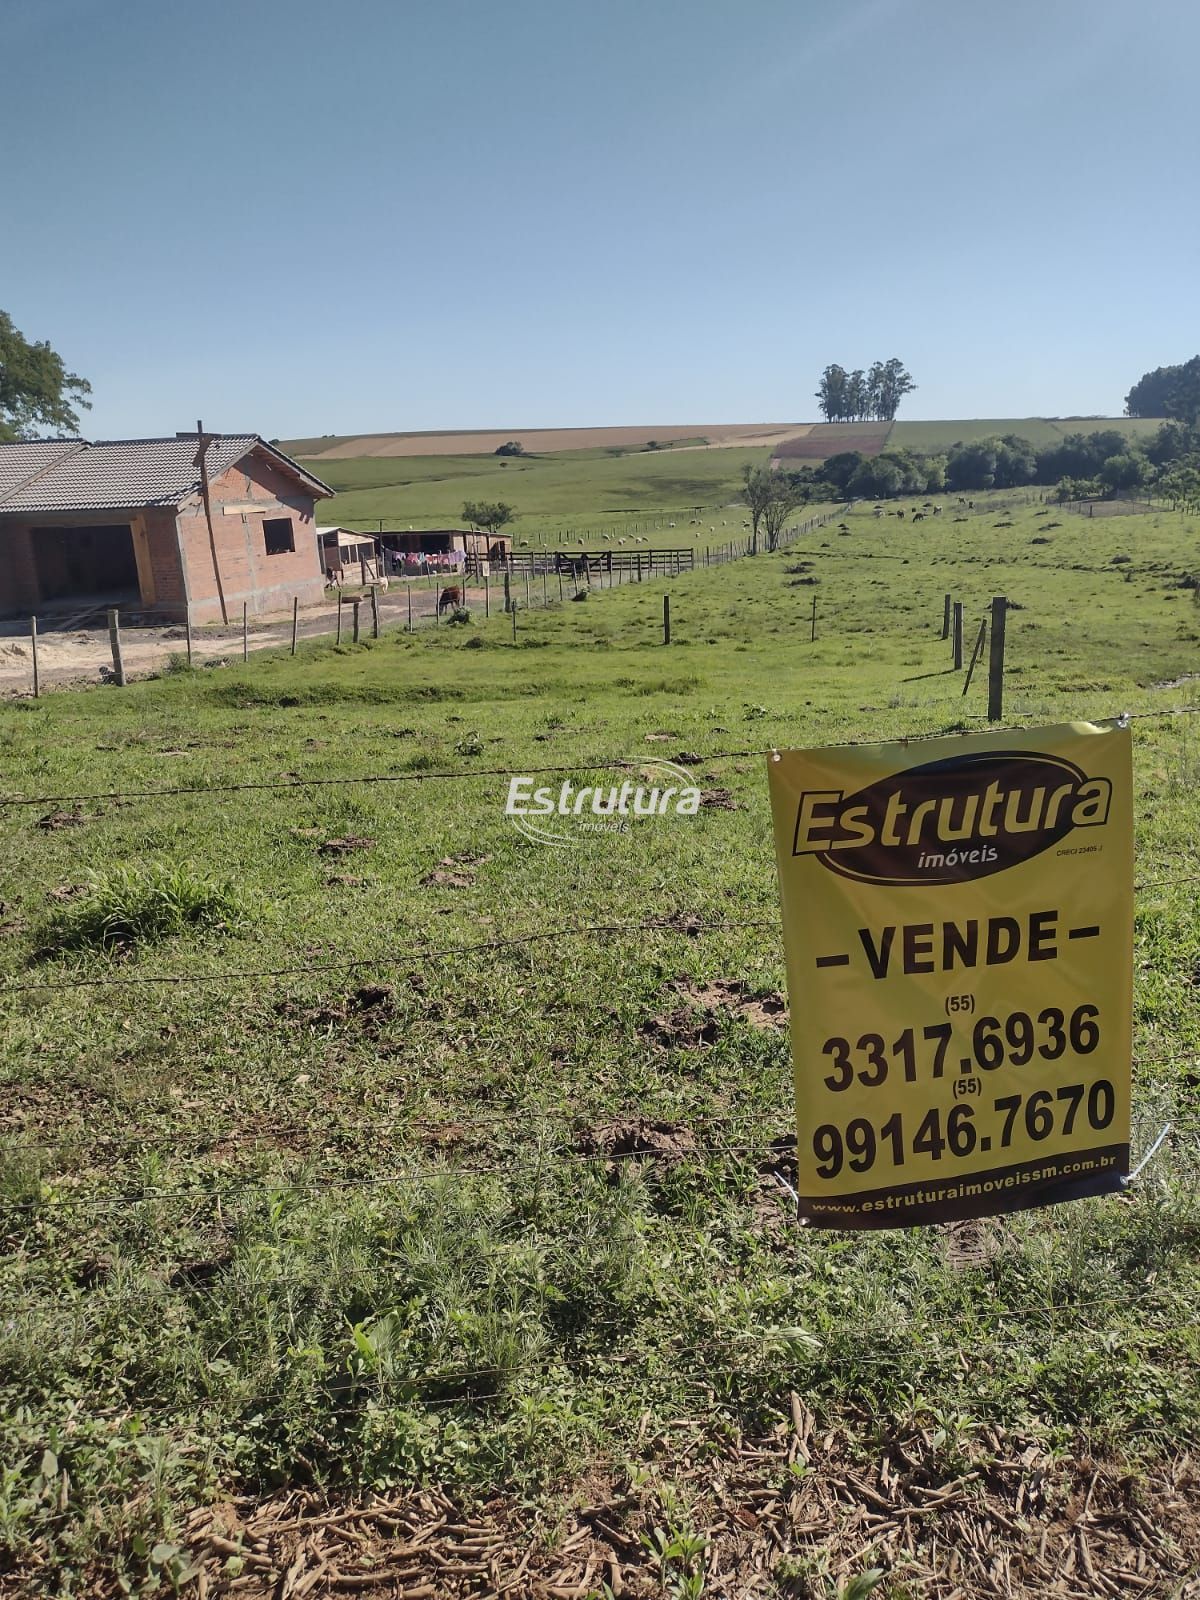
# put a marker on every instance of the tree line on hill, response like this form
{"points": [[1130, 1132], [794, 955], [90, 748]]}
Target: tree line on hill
{"points": [[858, 396], [1172, 392], [1079, 466]]}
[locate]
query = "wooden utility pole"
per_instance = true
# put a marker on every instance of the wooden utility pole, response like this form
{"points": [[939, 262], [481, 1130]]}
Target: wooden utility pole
{"points": [[996, 660], [114, 639], [201, 461]]}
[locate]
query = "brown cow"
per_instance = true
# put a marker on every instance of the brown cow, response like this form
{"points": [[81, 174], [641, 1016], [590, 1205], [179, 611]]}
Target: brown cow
{"points": [[450, 599]]}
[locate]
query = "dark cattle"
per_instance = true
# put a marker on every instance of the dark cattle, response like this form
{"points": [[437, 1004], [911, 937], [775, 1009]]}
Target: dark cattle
{"points": [[900, 513], [918, 516], [450, 599]]}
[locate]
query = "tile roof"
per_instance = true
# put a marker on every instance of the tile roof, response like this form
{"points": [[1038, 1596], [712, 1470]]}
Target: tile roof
{"points": [[20, 462], [121, 474]]}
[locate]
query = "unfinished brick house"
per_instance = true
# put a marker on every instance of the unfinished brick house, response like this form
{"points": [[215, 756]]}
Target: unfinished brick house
{"points": [[124, 523]]}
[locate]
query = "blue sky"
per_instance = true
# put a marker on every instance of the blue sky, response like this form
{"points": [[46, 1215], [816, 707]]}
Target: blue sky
{"points": [[299, 217]]}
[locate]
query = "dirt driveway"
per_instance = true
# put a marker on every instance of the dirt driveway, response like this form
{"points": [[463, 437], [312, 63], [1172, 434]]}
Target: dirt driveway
{"points": [[75, 651]]}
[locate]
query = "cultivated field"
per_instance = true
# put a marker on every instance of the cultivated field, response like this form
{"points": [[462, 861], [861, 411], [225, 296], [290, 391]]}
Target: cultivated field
{"points": [[543, 441], [390, 1204]]}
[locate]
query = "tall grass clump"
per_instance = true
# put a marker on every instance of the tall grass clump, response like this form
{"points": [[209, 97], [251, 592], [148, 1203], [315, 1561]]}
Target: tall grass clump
{"points": [[131, 905]]}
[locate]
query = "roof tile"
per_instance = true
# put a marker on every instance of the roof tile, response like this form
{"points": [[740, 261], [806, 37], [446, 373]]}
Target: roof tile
{"points": [[119, 474]]}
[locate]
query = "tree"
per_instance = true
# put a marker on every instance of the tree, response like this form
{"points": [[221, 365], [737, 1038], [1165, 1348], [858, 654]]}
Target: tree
{"points": [[492, 515], [852, 396], [831, 394], [1167, 392], [759, 490], [837, 470], [788, 493], [895, 381], [36, 390], [513, 447], [1125, 471]]}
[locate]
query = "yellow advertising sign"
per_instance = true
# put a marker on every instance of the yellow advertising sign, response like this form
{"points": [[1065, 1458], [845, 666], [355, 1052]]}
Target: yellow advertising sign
{"points": [[958, 923]]}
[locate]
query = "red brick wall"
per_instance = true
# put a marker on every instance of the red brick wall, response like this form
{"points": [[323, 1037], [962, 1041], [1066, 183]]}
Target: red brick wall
{"points": [[241, 499]]}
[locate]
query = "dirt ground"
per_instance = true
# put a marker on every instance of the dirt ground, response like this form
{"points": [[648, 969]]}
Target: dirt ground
{"points": [[542, 441], [72, 655]]}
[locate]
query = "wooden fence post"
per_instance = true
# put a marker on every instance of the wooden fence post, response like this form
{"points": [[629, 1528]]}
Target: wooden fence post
{"points": [[956, 633], [514, 621], [560, 593], [946, 617], [187, 624], [374, 612], [408, 586], [666, 619], [37, 683], [295, 620], [114, 639], [487, 593], [527, 588], [996, 660], [975, 654], [245, 630], [813, 635], [507, 591], [338, 640], [354, 604]]}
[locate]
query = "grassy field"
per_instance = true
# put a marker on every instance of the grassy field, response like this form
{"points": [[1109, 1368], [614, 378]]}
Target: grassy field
{"points": [[594, 495], [339, 1156], [932, 437], [587, 492]]}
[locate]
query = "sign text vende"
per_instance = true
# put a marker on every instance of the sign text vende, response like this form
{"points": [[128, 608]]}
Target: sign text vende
{"points": [[959, 947]]}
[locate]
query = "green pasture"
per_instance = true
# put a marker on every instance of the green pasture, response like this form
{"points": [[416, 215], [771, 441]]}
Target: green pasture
{"points": [[351, 1193], [933, 437], [589, 492]]}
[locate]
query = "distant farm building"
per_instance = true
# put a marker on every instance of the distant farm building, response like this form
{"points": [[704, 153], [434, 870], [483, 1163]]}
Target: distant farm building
{"points": [[123, 522], [352, 554], [445, 547]]}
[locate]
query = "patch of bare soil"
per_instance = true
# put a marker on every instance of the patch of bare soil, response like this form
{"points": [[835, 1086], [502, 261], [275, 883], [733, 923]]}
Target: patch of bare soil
{"points": [[454, 872], [717, 800], [637, 1139], [778, 1515], [697, 1019], [344, 846]]}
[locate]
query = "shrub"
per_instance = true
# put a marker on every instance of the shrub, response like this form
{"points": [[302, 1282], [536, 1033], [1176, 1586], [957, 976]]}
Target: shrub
{"points": [[131, 905]]}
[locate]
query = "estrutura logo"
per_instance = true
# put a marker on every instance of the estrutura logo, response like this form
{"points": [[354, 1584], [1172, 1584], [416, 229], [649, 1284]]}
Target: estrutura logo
{"points": [[947, 821], [565, 815]]}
